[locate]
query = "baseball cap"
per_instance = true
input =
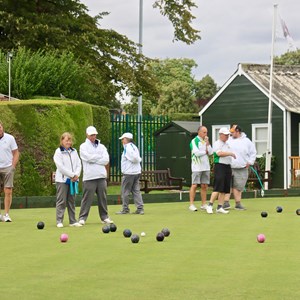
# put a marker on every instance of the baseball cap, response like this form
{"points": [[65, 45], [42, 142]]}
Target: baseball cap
{"points": [[91, 130], [235, 128], [127, 135], [232, 129], [224, 130]]}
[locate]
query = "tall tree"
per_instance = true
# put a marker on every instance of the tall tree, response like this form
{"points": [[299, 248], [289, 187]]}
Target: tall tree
{"points": [[205, 88], [65, 25], [175, 85]]}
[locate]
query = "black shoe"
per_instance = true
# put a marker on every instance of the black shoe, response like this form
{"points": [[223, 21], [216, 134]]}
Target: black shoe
{"points": [[122, 212], [239, 206], [139, 212]]}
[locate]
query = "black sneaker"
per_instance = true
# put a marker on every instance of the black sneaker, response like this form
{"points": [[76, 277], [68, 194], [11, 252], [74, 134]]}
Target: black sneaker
{"points": [[139, 212], [122, 212], [239, 206], [226, 205]]}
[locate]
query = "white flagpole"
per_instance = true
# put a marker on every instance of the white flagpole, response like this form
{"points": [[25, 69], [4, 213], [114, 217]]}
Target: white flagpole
{"points": [[269, 140], [140, 98]]}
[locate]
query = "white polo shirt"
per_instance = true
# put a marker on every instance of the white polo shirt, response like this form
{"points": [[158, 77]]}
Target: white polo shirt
{"points": [[7, 145], [220, 146]]}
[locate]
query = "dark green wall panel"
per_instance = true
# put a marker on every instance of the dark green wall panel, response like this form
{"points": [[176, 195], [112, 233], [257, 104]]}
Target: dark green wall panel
{"points": [[244, 104]]}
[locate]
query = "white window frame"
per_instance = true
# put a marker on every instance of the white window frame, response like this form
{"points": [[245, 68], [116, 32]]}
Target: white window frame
{"points": [[214, 134], [254, 140]]}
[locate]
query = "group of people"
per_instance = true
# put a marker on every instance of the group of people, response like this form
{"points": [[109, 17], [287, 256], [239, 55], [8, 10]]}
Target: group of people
{"points": [[93, 159], [233, 153]]}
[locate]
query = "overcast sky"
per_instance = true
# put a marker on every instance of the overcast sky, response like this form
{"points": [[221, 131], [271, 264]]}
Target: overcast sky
{"points": [[232, 31]]}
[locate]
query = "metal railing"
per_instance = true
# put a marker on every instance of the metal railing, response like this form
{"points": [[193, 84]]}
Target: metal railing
{"points": [[129, 123]]}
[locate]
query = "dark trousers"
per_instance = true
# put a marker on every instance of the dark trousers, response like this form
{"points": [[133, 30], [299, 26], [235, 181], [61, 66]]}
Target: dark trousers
{"points": [[64, 199], [90, 187], [131, 184]]}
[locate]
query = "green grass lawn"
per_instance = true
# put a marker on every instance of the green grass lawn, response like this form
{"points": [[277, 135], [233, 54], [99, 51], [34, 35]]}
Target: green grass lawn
{"points": [[205, 257]]}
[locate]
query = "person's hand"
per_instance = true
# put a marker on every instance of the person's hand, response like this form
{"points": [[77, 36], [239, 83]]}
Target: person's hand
{"points": [[233, 155], [206, 140], [12, 169], [75, 178]]}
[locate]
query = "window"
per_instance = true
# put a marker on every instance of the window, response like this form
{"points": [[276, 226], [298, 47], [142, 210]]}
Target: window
{"points": [[260, 138], [215, 132]]}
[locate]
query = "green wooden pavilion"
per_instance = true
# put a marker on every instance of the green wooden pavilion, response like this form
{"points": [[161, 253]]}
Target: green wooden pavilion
{"points": [[244, 100]]}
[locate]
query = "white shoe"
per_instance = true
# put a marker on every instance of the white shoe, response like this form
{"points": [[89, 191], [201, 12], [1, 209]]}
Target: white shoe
{"points": [[76, 225], [204, 207], [107, 221], [81, 222], [209, 209], [59, 225], [221, 210], [6, 218], [192, 207]]}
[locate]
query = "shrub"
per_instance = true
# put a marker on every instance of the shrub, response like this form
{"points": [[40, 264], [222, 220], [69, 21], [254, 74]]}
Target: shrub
{"points": [[37, 126]]}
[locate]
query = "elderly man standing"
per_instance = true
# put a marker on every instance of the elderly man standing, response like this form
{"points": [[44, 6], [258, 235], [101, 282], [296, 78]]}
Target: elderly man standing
{"points": [[9, 157], [94, 158], [131, 170], [222, 171], [245, 156], [200, 150]]}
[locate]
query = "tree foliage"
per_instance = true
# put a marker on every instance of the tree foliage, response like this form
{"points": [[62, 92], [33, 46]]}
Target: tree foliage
{"points": [[289, 58], [175, 85], [45, 73], [205, 88], [179, 13], [65, 25], [177, 88]]}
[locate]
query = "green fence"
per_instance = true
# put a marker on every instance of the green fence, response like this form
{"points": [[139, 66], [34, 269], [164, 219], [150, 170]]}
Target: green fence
{"points": [[130, 123]]}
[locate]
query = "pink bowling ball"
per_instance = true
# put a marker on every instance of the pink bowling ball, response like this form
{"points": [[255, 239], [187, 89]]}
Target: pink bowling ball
{"points": [[261, 238], [64, 237]]}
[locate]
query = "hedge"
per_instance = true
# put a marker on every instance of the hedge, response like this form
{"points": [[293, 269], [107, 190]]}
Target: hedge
{"points": [[37, 126]]}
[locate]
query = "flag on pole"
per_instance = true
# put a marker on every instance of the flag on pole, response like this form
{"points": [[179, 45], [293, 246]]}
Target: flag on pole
{"points": [[286, 34], [285, 30]]}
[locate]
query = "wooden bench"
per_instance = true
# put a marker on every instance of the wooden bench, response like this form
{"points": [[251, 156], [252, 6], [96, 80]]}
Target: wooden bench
{"points": [[159, 180], [295, 171], [262, 176]]}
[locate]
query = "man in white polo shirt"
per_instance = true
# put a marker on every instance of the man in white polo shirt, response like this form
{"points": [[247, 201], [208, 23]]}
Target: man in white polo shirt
{"points": [[222, 171], [9, 157]]}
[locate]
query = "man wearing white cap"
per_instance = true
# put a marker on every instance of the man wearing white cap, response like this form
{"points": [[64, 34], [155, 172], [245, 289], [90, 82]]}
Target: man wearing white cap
{"points": [[94, 158], [131, 170], [222, 171]]}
